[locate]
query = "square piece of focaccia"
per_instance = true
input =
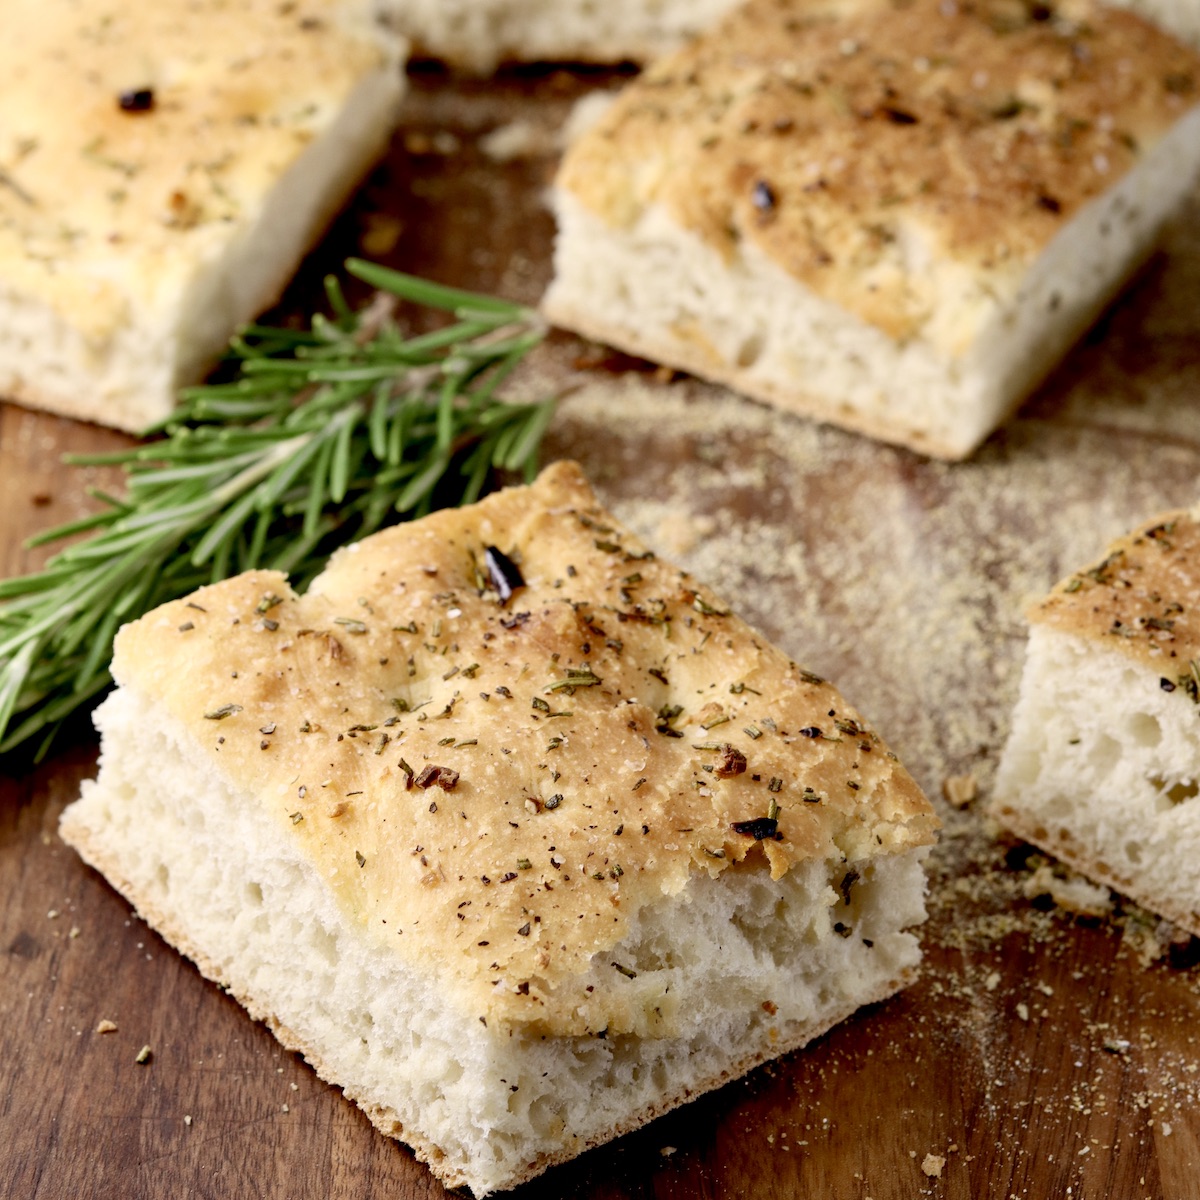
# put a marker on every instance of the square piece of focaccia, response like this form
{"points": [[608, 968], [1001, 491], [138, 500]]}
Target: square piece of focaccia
{"points": [[163, 167], [891, 217], [479, 34], [1102, 768], [513, 829]]}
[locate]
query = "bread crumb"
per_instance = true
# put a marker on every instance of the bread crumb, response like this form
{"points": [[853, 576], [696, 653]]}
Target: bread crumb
{"points": [[381, 234], [1023, 1011], [521, 138], [1166, 1129], [443, 143], [144, 1055], [106, 1026], [52, 914], [74, 931], [932, 1166], [992, 982], [667, 1151], [187, 1120], [1069, 891], [586, 112], [959, 790]]}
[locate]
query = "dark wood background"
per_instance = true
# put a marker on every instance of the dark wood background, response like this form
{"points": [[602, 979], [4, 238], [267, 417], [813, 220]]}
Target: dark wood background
{"points": [[1040, 1055]]}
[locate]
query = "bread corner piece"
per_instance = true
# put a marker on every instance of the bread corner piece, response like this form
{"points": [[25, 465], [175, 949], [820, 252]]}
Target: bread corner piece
{"points": [[480, 34], [162, 170], [1102, 768], [518, 875], [892, 217]]}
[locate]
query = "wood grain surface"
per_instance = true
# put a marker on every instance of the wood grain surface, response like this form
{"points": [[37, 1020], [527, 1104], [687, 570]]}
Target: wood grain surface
{"points": [[1041, 1055]]}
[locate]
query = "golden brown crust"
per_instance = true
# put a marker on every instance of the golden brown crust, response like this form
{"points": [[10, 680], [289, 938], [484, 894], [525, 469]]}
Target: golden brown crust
{"points": [[1139, 599], [853, 141], [1059, 841], [234, 94], [609, 726]]}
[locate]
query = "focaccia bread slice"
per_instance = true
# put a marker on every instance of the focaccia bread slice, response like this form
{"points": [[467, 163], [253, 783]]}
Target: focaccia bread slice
{"points": [[480, 34], [894, 218], [1102, 768], [514, 830], [163, 168]]}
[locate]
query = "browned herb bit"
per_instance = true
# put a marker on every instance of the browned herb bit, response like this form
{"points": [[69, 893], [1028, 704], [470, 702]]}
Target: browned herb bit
{"points": [[732, 762], [504, 574], [136, 100], [761, 829], [763, 196], [442, 777]]}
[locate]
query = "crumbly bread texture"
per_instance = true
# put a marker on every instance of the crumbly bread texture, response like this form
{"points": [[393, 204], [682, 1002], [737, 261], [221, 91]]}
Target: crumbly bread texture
{"points": [[1102, 767], [162, 170], [892, 217], [518, 875], [480, 34]]}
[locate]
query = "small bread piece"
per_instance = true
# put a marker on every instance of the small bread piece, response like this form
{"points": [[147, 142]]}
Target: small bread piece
{"points": [[480, 34], [1102, 767], [891, 217], [163, 168], [519, 876]]}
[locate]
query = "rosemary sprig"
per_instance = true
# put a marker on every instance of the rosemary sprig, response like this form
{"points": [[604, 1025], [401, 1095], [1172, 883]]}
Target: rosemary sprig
{"points": [[323, 436]]}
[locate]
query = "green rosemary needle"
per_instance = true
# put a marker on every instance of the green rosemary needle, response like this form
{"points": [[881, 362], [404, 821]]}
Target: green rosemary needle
{"points": [[322, 436]]}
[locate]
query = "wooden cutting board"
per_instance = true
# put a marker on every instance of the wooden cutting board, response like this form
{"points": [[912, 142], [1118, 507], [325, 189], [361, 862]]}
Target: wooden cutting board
{"points": [[1040, 1055]]}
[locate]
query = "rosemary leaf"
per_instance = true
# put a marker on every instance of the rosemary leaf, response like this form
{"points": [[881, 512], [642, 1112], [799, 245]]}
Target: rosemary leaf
{"points": [[320, 436]]}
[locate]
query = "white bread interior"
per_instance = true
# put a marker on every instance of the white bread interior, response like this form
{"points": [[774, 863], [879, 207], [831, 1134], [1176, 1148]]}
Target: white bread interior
{"points": [[753, 966], [659, 291], [480, 34], [160, 267], [1102, 769]]}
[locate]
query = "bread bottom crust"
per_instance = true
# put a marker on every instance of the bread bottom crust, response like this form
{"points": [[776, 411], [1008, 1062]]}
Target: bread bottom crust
{"points": [[669, 352], [790, 1037], [1061, 843]]}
